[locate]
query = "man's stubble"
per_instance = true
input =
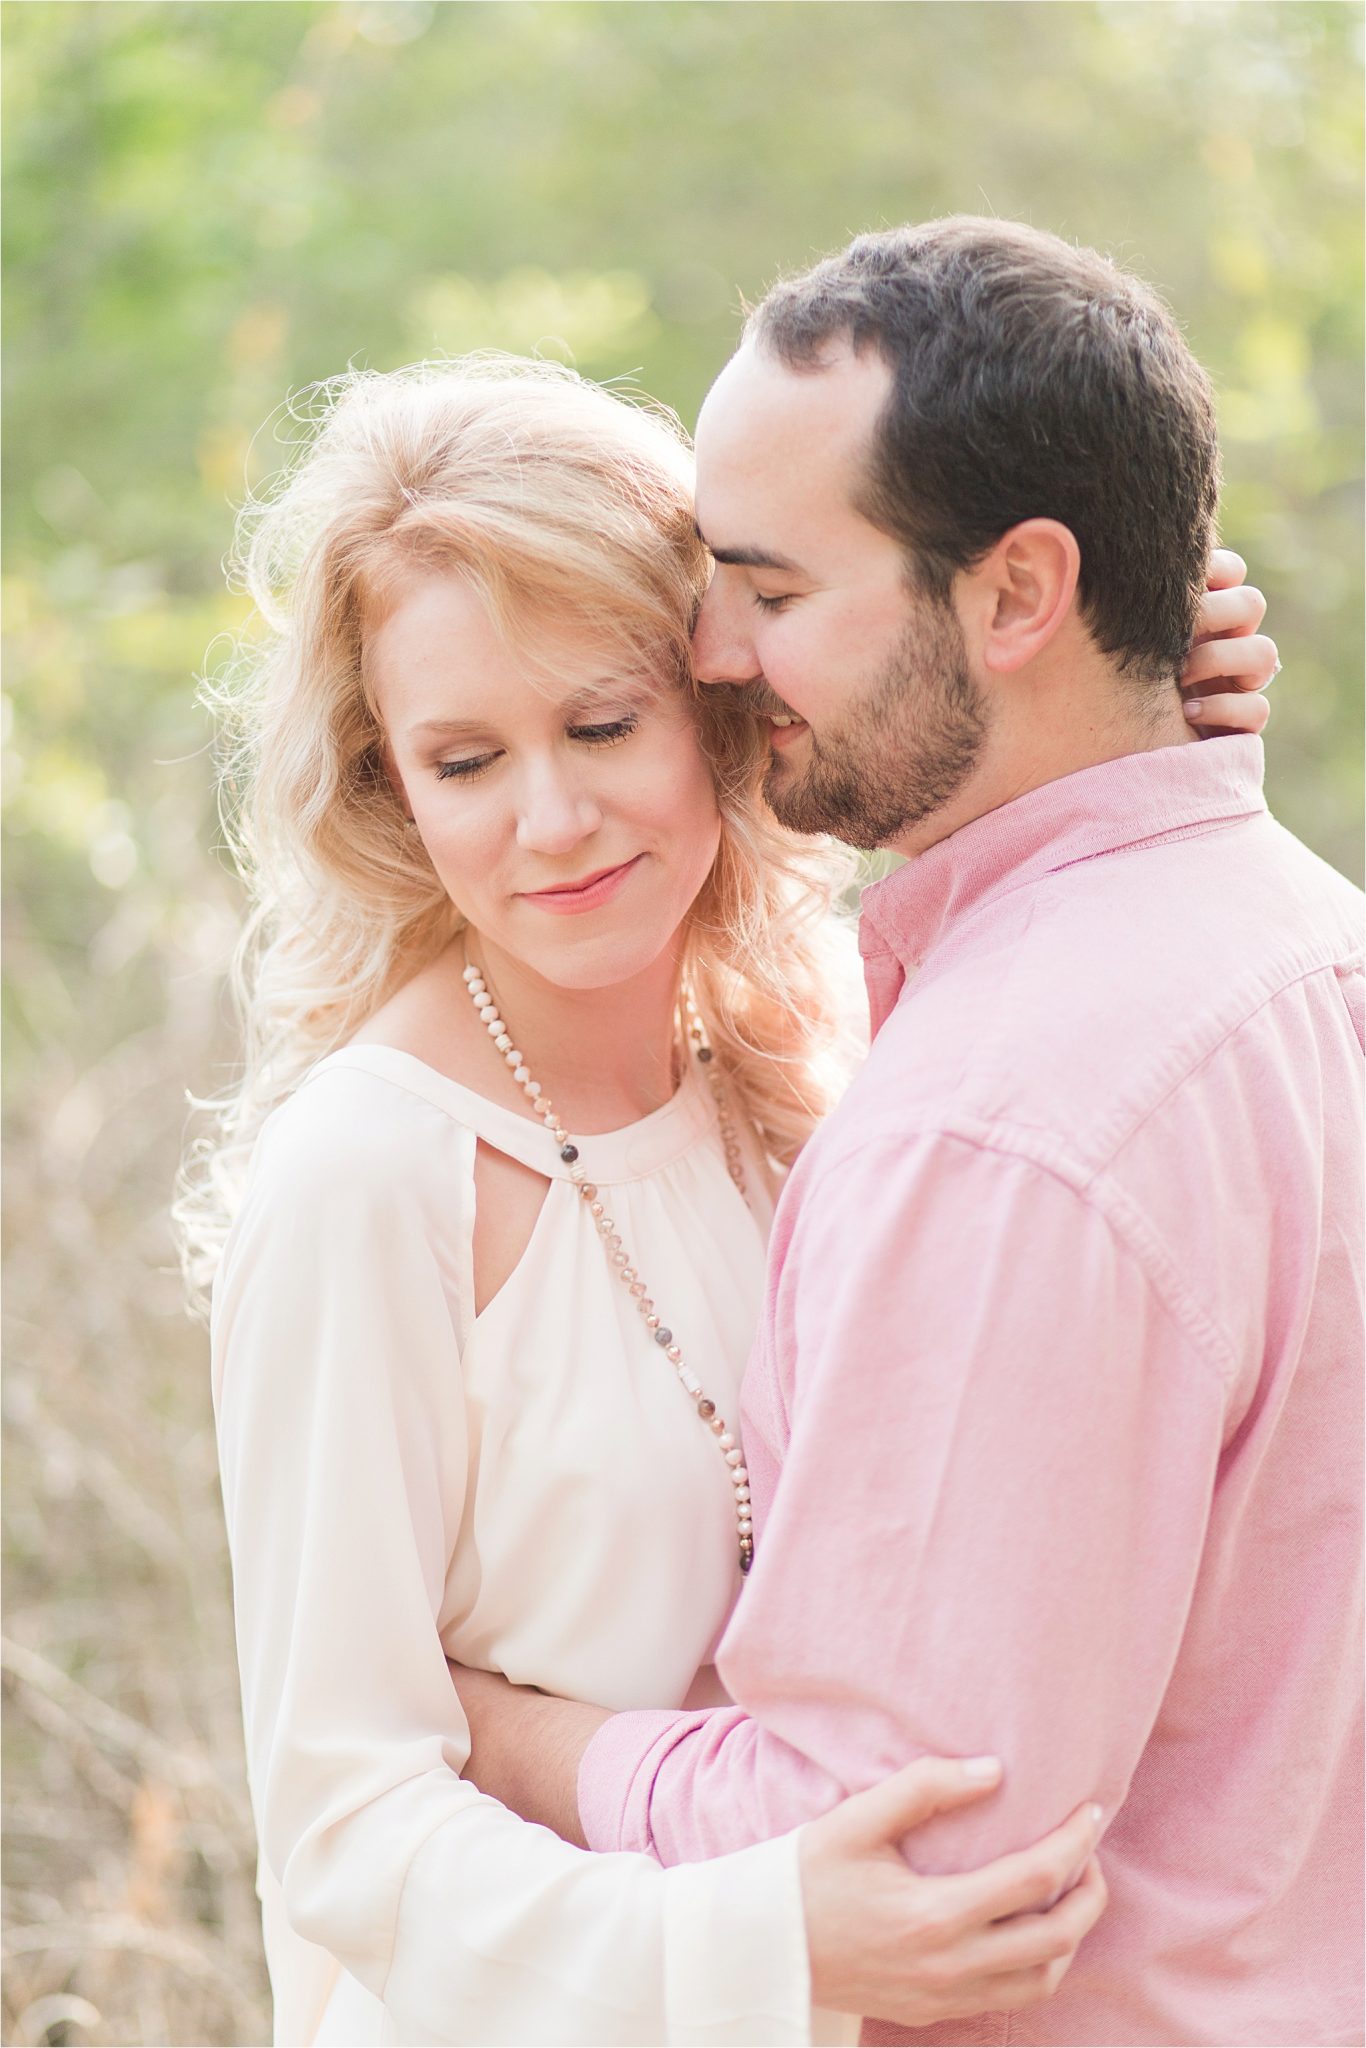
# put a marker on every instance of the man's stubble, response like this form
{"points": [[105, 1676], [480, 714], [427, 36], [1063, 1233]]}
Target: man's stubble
{"points": [[902, 754]]}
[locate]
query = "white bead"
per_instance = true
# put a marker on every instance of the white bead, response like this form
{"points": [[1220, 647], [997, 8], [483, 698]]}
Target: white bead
{"points": [[533, 1087], [471, 975], [732, 1457], [503, 1042], [742, 1493], [522, 1074], [739, 1476], [727, 1442], [513, 1057], [483, 1001], [691, 1381], [493, 1024]]}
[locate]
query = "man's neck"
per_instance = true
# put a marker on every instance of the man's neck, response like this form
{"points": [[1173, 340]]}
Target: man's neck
{"points": [[1039, 739]]}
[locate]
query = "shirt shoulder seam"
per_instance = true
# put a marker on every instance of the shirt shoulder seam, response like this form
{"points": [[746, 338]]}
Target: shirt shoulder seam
{"points": [[1093, 1190]]}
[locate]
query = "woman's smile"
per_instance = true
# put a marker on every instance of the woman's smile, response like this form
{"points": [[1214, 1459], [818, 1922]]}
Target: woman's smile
{"points": [[567, 899]]}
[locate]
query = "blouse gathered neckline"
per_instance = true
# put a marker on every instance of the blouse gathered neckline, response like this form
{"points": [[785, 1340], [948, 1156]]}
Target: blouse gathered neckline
{"points": [[631, 1152]]}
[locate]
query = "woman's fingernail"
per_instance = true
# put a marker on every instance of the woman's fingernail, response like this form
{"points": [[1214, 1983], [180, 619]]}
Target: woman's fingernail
{"points": [[981, 1769], [1194, 706]]}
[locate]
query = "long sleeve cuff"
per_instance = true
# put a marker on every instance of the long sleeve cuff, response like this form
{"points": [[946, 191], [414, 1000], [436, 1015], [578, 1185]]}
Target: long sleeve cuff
{"points": [[735, 1955], [617, 1774]]}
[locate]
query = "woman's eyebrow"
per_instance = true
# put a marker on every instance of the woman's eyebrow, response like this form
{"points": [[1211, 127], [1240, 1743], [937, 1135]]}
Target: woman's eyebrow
{"points": [[446, 728]]}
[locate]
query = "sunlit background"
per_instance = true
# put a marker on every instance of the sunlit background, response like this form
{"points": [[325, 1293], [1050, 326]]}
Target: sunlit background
{"points": [[211, 205]]}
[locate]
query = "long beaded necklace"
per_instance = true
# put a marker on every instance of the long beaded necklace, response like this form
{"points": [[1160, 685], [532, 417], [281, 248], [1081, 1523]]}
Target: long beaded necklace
{"points": [[617, 1254]]}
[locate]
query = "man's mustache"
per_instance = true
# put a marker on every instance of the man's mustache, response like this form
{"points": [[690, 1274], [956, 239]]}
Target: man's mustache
{"points": [[749, 700]]}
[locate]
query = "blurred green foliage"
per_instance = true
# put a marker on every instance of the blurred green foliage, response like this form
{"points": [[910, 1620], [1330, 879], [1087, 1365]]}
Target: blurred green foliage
{"points": [[210, 205]]}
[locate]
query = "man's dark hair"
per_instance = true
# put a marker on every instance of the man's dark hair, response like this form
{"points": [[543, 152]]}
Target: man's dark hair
{"points": [[1030, 380]]}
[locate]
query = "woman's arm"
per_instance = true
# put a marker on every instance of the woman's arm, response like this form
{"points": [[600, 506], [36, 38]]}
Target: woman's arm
{"points": [[342, 1438], [884, 1941]]}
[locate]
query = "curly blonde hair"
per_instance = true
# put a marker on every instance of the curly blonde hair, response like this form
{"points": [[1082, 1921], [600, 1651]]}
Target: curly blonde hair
{"points": [[549, 495]]}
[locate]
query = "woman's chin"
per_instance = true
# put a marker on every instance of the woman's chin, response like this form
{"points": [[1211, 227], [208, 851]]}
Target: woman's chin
{"points": [[583, 963]]}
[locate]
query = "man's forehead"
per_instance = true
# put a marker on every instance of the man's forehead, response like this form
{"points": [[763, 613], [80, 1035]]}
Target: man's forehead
{"points": [[840, 396], [766, 428]]}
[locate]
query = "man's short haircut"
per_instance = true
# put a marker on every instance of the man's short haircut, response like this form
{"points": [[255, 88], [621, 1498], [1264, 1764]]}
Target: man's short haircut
{"points": [[1031, 379]]}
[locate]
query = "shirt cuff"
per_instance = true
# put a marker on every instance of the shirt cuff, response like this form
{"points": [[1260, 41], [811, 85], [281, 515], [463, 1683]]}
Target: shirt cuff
{"points": [[735, 1958], [617, 1775]]}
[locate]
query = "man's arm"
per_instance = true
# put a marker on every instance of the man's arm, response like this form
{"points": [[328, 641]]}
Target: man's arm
{"points": [[526, 1747], [1006, 1419]]}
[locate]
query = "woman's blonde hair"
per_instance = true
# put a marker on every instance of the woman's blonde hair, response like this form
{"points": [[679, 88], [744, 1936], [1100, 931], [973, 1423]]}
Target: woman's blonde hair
{"points": [[554, 498]]}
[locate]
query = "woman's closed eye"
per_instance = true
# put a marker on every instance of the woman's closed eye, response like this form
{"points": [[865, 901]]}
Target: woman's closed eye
{"points": [[609, 733], [464, 771]]}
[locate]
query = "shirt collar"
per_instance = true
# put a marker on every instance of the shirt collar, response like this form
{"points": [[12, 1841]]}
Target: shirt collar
{"points": [[1098, 810]]}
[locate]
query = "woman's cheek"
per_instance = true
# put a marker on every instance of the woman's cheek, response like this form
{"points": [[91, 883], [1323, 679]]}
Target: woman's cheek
{"points": [[459, 850]]}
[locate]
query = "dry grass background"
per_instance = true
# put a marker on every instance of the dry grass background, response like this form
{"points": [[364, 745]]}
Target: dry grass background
{"points": [[129, 1907]]}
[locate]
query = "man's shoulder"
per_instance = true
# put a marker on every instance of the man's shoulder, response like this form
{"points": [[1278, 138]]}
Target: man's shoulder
{"points": [[1072, 1007]]}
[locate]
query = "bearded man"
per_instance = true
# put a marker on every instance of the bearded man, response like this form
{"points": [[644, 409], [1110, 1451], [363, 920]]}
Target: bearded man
{"points": [[1054, 1419]]}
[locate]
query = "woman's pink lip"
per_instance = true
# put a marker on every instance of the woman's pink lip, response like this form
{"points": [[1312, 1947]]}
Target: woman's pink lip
{"points": [[587, 895]]}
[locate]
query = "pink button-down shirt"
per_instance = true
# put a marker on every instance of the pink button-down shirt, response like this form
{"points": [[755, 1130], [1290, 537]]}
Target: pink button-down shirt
{"points": [[1054, 1420]]}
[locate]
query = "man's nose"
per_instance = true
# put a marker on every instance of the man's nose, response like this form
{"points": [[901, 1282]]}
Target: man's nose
{"points": [[722, 650], [556, 812]]}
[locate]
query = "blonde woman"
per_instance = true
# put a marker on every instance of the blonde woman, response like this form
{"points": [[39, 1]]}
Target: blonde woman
{"points": [[539, 1004]]}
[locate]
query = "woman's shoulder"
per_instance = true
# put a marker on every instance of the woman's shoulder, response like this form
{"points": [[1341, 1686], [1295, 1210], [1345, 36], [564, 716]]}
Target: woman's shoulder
{"points": [[368, 1120]]}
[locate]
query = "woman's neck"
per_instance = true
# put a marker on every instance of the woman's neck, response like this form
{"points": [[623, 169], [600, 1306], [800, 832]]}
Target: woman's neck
{"points": [[605, 1056]]}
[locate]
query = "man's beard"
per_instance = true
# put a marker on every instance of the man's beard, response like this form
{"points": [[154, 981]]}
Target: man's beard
{"points": [[901, 754]]}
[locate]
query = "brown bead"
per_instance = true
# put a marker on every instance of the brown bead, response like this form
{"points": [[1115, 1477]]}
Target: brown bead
{"points": [[706, 1409]]}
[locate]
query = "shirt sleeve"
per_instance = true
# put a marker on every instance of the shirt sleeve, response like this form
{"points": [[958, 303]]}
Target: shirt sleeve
{"points": [[342, 1440], [1004, 1432]]}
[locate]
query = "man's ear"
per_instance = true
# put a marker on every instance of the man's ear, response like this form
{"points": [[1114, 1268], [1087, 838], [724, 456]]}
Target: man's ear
{"points": [[1019, 594]]}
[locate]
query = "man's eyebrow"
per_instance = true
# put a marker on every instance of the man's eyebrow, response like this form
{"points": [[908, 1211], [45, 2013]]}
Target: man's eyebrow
{"points": [[752, 558]]}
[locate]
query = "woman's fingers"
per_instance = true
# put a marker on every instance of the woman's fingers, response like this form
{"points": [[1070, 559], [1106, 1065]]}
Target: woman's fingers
{"points": [[1245, 711], [1249, 663], [1228, 614], [1031, 1879], [933, 1784], [1224, 569], [1031, 1941], [1022, 1962]]}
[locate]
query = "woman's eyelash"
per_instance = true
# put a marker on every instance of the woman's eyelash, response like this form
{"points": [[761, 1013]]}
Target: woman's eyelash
{"points": [[772, 604], [607, 735]]}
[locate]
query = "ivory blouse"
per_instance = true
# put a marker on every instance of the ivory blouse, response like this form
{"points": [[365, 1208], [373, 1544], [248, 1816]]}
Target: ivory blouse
{"points": [[527, 1490]]}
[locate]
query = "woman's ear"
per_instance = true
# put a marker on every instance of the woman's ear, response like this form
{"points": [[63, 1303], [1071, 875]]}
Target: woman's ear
{"points": [[1022, 591]]}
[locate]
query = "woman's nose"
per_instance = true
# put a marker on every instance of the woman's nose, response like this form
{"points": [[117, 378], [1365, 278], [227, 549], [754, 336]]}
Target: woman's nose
{"points": [[556, 814]]}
